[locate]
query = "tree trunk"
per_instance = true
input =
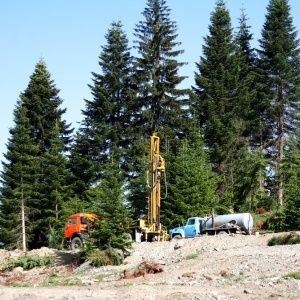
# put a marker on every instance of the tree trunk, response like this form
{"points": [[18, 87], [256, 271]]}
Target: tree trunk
{"points": [[23, 218]]}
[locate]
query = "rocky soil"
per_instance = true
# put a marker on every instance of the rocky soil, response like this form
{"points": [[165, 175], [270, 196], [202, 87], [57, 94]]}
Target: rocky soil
{"points": [[207, 267]]}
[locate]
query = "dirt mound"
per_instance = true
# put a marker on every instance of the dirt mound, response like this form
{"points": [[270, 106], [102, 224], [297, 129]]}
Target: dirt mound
{"points": [[207, 267]]}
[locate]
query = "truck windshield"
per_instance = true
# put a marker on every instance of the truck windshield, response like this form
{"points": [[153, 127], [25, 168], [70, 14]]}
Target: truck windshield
{"points": [[191, 222], [72, 221]]}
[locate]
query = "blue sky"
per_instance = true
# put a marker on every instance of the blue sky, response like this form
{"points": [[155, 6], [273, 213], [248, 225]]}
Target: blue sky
{"points": [[68, 35]]}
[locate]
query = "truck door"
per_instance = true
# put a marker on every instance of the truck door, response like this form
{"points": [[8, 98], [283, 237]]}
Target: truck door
{"points": [[190, 228], [71, 227]]}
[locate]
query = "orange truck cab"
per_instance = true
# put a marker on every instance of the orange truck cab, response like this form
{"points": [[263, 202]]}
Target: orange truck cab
{"points": [[77, 229]]}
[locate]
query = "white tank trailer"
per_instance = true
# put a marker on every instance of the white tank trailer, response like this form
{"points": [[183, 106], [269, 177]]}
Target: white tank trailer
{"points": [[243, 220]]}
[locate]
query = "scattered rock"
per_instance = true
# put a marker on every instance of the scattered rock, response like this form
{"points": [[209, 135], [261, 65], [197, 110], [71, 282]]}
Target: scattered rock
{"points": [[243, 268]]}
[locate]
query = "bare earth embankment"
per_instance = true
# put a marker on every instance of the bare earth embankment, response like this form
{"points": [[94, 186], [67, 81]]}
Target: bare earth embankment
{"points": [[207, 267]]}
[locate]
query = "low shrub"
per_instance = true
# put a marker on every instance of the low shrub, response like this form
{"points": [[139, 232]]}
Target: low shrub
{"points": [[295, 275], [287, 239], [28, 262]]}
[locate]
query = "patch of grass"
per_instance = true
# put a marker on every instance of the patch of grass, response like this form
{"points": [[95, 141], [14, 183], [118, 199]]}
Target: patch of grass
{"points": [[295, 275], [53, 280], [192, 256], [287, 239], [23, 284], [102, 276], [127, 284], [28, 262]]}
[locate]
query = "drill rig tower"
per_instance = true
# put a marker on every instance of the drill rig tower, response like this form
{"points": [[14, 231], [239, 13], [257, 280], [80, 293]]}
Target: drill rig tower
{"points": [[151, 228]]}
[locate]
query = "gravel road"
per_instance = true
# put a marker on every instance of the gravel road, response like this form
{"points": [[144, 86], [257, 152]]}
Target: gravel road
{"points": [[206, 267]]}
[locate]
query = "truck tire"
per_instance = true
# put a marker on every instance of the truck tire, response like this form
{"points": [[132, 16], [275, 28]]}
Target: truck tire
{"points": [[127, 236], [76, 243], [176, 237]]}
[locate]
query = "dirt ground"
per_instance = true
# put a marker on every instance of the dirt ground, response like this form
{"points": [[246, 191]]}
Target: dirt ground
{"points": [[206, 267]]}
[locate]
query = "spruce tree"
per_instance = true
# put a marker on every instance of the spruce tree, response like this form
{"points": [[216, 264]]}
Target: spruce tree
{"points": [[249, 164], [279, 56], [108, 200], [102, 136], [16, 179], [191, 183], [246, 59], [158, 104], [291, 170], [57, 200], [217, 99], [40, 104], [156, 71]]}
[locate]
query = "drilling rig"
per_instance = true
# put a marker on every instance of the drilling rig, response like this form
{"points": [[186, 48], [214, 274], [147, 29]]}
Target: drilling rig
{"points": [[150, 228]]}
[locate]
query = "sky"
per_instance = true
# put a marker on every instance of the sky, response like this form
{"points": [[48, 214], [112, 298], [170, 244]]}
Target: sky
{"points": [[68, 35]]}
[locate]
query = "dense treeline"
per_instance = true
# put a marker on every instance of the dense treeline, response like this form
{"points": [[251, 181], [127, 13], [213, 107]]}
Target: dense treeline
{"points": [[231, 141]]}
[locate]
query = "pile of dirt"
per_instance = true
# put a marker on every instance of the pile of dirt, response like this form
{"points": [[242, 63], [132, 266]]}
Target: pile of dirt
{"points": [[206, 267]]}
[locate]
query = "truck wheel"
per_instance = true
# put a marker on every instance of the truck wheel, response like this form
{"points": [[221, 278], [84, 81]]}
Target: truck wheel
{"points": [[223, 233], [176, 237], [76, 243], [127, 236]]}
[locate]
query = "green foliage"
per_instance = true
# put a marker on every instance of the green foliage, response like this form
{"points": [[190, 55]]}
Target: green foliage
{"points": [[191, 184], [279, 56], [102, 134], [101, 257], [295, 275], [191, 256], [291, 171], [276, 221], [110, 205], [27, 262], [219, 101], [34, 176], [158, 103], [54, 238], [287, 239], [250, 190]]}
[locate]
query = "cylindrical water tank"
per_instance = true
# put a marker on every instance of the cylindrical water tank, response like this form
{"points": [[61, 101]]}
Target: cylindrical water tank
{"points": [[243, 220]]}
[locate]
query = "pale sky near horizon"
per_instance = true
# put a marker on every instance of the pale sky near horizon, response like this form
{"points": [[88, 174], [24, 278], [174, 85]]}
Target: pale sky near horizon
{"points": [[68, 35]]}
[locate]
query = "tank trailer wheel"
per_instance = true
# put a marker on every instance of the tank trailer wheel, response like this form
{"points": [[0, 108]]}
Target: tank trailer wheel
{"points": [[223, 233]]}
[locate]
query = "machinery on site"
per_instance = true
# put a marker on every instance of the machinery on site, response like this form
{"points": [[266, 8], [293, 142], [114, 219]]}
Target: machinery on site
{"points": [[150, 228], [78, 229], [79, 225], [211, 224]]}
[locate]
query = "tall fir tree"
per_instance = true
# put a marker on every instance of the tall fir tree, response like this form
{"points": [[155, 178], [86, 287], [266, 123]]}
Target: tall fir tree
{"points": [[279, 56], [217, 99], [101, 137], [40, 103], [191, 183], [249, 163], [58, 194], [291, 171], [158, 103], [108, 200], [16, 179]]}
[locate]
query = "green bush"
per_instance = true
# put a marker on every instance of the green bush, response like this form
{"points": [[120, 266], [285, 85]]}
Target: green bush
{"points": [[295, 275], [276, 221], [28, 262], [287, 239], [103, 256]]}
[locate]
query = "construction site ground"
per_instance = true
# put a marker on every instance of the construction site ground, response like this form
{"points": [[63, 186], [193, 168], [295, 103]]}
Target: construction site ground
{"points": [[206, 267]]}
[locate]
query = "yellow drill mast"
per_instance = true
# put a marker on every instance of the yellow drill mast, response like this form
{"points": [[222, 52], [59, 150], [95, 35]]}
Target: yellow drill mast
{"points": [[150, 228], [156, 169]]}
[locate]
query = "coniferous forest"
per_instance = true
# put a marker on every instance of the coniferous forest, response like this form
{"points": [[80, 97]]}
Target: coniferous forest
{"points": [[231, 141]]}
